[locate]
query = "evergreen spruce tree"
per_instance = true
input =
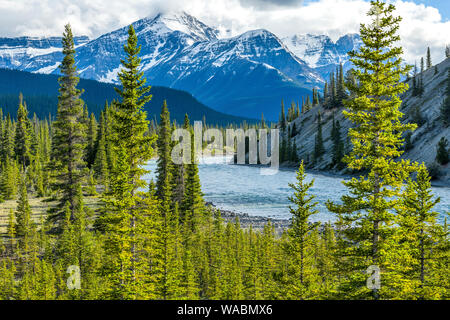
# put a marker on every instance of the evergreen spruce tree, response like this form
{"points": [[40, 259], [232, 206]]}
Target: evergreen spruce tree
{"points": [[66, 249], [169, 254], [340, 90], [23, 136], [315, 97], [319, 149], [422, 70], [440, 274], [408, 142], [101, 168], [282, 117], [192, 202], [76, 245], [442, 154], [8, 282], [168, 238], [109, 134], [295, 157], [293, 131], [417, 239], [417, 117], [333, 91], [429, 63], [91, 188], [8, 139], [24, 224], [415, 84], [127, 215], [303, 277], [178, 174], [91, 141], [445, 108], [11, 232], [376, 138], [289, 150], [27, 249], [9, 178], [68, 141], [326, 95], [164, 161], [338, 144], [326, 262]]}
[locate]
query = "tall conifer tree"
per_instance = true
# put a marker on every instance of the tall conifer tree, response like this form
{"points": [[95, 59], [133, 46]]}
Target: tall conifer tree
{"points": [[319, 149], [429, 63], [23, 137], [69, 130], [376, 138], [304, 273], [417, 239], [164, 161], [445, 108], [128, 215]]}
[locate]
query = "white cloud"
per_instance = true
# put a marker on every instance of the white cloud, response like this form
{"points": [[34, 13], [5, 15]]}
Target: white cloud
{"points": [[421, 27]]}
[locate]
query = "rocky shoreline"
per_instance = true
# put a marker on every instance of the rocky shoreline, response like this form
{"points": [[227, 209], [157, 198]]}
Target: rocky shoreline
{"points": [[246, 220]]}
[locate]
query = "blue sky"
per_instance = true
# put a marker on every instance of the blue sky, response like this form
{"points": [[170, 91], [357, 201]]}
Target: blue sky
{"points": [[442, 5]]}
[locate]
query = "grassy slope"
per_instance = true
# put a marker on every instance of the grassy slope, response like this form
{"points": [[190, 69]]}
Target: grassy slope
{"points": [[39, 206]]}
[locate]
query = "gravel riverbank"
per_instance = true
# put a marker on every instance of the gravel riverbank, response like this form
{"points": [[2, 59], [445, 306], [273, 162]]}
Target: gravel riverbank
{"points": [[246, 220]]}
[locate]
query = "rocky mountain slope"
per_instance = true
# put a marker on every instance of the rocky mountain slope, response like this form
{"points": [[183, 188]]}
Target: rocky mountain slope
{"points": [[424, 139], [19, 53], [245, 75], [321, 53]]}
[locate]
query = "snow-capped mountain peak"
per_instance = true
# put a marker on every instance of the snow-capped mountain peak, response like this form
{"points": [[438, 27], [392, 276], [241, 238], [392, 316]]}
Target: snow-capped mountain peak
{"points": [[183, 22], [307, 46], [243, 75], [321, 53]]}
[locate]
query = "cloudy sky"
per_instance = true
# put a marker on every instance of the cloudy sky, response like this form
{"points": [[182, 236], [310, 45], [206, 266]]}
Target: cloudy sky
{"points": [[425, 23]]}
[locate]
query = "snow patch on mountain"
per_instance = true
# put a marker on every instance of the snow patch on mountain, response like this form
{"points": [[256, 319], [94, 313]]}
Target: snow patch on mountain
{"points": [[6, 51], [111, 76], [320, 51], [48, 69]]}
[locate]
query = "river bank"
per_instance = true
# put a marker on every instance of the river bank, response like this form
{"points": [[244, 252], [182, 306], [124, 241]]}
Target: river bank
{"points": [[335, 174], [243, 190], [246, 220]]}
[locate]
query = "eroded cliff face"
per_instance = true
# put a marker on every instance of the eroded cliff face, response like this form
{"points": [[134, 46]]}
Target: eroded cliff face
{"points": [[424, 140]]}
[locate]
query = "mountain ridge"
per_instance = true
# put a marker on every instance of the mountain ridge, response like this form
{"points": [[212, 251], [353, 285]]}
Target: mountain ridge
{"points": [[40, 92], [228, 74]]}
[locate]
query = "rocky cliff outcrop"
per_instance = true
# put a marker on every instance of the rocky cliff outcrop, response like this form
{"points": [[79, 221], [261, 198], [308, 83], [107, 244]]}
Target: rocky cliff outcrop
{"points": [[424, 140]]}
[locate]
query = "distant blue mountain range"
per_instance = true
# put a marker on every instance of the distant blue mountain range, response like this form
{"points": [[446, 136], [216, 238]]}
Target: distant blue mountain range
{"points": [[246, 75]]}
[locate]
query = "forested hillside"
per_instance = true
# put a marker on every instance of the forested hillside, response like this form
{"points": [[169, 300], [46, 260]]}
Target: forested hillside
{"points": [[40, 92], [422, 104]]}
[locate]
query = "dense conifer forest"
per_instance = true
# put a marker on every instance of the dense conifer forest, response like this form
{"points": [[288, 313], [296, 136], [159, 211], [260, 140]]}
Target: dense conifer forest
{"points": [[161, 241]]}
